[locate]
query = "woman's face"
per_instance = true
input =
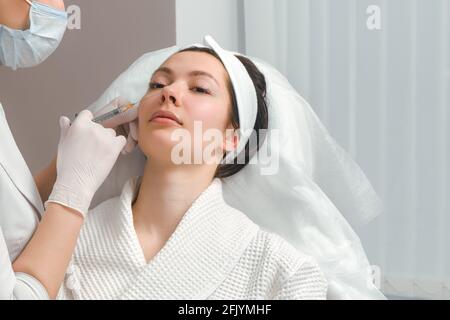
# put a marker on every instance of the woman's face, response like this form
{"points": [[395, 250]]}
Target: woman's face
{"points": [[193, 86]]}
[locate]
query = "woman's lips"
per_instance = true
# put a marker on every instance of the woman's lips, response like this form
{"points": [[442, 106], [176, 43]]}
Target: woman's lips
{"points": [[166, 117], [165, 121]]}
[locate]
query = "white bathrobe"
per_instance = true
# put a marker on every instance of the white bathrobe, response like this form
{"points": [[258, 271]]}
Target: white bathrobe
{"points": [[215, 252]]}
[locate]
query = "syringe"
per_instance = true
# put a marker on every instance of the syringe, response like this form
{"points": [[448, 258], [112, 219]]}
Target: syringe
{"points": [[111, 114], [114, 112]]}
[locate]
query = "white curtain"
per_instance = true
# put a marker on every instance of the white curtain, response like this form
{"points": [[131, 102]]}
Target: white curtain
{"points": [[384, 95]]}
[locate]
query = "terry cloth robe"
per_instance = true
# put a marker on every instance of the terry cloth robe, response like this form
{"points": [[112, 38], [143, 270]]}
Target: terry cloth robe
{"points": [[216, 252]]}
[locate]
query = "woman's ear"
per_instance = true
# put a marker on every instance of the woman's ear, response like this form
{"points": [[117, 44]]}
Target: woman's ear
{"points": [[231, 139]]}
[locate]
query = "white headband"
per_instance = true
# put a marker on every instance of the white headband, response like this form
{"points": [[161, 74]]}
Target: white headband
{"points": [[245, 92]]}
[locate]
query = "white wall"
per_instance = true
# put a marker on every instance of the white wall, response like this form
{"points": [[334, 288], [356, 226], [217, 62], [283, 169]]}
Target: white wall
{"points": [[219, 18], [384, 95]]}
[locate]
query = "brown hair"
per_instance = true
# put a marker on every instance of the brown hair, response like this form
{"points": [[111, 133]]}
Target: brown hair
{"points": [[262, 117]]}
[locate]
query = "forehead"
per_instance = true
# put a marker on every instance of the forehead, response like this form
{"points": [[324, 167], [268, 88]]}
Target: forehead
{"points": [[183, 63]]}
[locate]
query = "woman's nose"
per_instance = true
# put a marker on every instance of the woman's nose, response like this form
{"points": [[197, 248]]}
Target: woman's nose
{"points": [[172, 94]]}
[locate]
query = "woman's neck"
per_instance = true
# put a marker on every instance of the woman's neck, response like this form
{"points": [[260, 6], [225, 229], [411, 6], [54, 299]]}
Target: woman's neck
{"points": [[166, 193]]}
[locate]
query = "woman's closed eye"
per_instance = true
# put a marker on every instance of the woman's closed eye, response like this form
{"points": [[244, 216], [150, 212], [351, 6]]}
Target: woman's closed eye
{"points": [[201, 90], [156, 85]]}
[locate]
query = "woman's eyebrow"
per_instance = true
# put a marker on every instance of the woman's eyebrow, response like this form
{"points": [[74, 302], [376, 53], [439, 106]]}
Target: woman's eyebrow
{"points": [[203, 73], [194, 73]]}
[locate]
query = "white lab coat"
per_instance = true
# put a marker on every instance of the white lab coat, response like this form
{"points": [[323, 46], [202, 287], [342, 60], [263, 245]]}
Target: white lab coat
{"points": [[20, 211]]}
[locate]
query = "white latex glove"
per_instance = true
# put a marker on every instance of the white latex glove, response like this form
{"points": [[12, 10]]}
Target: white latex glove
{"points": [[86, 154], [124, 123], [131, 131]]}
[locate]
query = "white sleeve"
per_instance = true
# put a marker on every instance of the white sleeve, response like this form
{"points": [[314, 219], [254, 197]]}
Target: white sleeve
{"points": [[17, 286], [7, 278], [28, 288], [307, 283]]}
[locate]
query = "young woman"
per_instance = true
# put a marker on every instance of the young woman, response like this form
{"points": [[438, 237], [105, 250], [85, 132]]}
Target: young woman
{"points": [[170, 234]]}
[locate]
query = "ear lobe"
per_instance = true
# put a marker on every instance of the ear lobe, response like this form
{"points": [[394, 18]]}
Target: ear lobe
{"points": [[231, 140]]}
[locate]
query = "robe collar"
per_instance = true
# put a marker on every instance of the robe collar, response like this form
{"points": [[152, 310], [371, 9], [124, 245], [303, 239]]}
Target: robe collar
{"points": [[199, 255]]}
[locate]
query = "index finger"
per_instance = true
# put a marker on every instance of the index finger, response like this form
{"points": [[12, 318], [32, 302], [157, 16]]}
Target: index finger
{"points": [[85, 115], [122, 118]]}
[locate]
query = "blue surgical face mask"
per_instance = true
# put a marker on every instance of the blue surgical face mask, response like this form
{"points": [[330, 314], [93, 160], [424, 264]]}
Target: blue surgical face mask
{"points": [[28, 48]]}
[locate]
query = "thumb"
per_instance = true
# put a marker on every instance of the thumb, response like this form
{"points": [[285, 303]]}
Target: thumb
{"points": [[130, 145], [134, 130], [64, 125], [85, 115]]}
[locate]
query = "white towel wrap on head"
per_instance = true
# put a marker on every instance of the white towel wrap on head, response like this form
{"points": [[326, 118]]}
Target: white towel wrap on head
{"points": [[245, 93]]}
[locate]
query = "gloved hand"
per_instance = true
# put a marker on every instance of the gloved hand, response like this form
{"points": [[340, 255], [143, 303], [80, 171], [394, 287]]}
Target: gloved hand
{"points": [[86, 154], [124, 123]]}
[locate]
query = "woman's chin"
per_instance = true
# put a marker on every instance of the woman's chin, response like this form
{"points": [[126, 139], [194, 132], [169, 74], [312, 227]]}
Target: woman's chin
{"points": [[159, 144]]}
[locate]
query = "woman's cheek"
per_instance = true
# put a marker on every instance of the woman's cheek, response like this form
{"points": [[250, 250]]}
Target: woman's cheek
{"points": [[145, 108], [205, 113]]}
